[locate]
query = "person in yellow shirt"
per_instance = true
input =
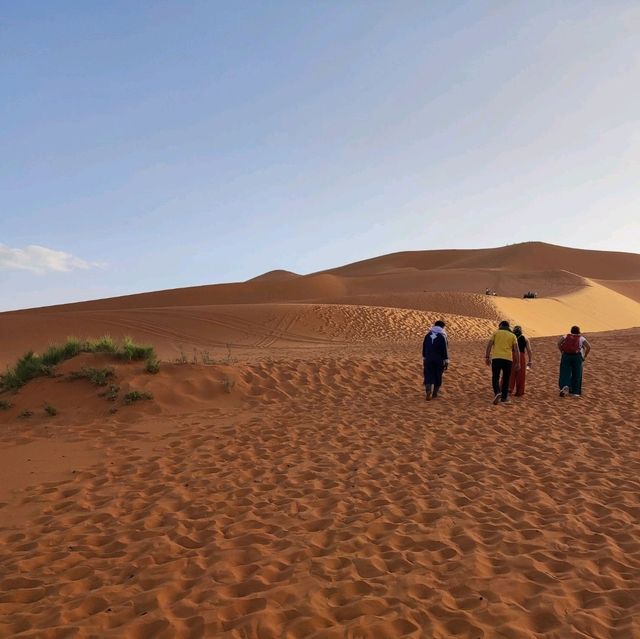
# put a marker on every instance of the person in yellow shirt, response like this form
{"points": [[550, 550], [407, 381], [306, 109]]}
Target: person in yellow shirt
{"points": [[502, 354]]}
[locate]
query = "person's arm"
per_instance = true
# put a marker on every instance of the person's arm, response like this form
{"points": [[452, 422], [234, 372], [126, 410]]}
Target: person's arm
{"points": [[587, 349], [560, 343], [424, 347], [515, 354], [529, 355], [487, 357], [445, 352]]}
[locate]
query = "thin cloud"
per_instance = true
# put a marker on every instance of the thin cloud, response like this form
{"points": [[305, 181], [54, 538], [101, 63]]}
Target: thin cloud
{"points": [[40, 259]]}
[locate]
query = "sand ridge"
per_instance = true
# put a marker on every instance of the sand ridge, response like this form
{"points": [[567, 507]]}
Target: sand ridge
{"points": [[282, 308]]}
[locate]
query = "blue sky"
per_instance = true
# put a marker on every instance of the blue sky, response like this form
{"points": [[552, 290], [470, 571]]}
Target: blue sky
{"points": [[151, 145]]}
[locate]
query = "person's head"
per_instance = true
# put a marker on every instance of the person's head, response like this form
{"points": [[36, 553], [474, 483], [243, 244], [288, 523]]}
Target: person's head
{"points": [[517, 331], [575, 330], [440, 323], [504, 324]]}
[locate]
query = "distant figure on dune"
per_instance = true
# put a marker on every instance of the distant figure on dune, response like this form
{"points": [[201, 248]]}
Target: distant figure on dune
{"points": [[518, 377], [435, 358], [574, 348], [502, 355]]}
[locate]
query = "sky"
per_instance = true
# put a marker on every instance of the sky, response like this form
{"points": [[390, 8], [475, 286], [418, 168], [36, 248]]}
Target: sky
{"points": [[158, 144]]}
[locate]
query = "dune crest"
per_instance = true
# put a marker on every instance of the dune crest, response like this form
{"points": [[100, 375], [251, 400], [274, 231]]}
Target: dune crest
{"points": [[277, 308]]}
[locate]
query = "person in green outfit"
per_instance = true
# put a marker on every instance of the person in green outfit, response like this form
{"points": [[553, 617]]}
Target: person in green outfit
{"points": [[574, 348]]}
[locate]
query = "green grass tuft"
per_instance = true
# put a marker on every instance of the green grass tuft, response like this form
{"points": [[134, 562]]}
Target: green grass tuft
{"points": [[25, 413], [104, 344], [50, 410], [27, 367], [5, 405], [152, 366], [97, 376], [112, 393], [61, 352], [131, 351], [135, 396]]}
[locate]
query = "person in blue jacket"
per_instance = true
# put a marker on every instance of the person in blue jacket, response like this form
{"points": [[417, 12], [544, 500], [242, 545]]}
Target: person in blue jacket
{"points": [[435, 357]]}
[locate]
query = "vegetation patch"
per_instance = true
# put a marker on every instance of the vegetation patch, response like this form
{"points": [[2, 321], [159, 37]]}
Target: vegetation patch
{"points": [[52, 411], [136, 396], [32, 365], [112, 393], [97, 376], [5, 405], [152, 365], [27, 367], [131, 351], [25, 413]]}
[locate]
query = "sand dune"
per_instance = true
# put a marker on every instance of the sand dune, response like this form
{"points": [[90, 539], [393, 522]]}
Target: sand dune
{"points": [[288, 480], [593, 308], [322, 497], [279, 307], [245, 329], [529, 256]]}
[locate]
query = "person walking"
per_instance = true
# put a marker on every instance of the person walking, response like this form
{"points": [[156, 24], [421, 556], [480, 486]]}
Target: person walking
{"points": [[574, 348], [435, 358], [518, 378], [502, 355]]}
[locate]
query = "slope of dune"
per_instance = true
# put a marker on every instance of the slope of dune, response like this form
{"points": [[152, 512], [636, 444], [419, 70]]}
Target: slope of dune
{"points": [[593, 308], [528, 256], [628, 288], [212, 331], [323, 498]]}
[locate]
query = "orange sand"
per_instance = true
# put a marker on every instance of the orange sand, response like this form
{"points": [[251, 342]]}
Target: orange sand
{"points": [[304, 488]]}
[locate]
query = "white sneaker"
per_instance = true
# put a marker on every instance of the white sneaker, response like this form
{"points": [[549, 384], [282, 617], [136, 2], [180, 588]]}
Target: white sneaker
{"points": [[574, 395], [564, 391], [496, 399]]}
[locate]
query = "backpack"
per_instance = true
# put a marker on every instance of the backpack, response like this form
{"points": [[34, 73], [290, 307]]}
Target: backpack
{"points": [[571, 344]]}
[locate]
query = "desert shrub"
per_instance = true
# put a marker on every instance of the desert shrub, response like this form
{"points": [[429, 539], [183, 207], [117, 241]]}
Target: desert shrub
{"points": [[50, 410], [104, 344], [131, 351], [25, 413], [5, 405], [57, 353], [26, 368], [112, 393], [152, 366], [97, 376], [136, 396], [228, 383]]}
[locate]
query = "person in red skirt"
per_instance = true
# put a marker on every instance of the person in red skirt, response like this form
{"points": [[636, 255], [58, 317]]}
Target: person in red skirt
{"points": [[518, 377]]}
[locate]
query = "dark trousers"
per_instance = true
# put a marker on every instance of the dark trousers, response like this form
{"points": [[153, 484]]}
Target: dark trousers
{"points": [[501, 367], [433, 373], [571, 372]]}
